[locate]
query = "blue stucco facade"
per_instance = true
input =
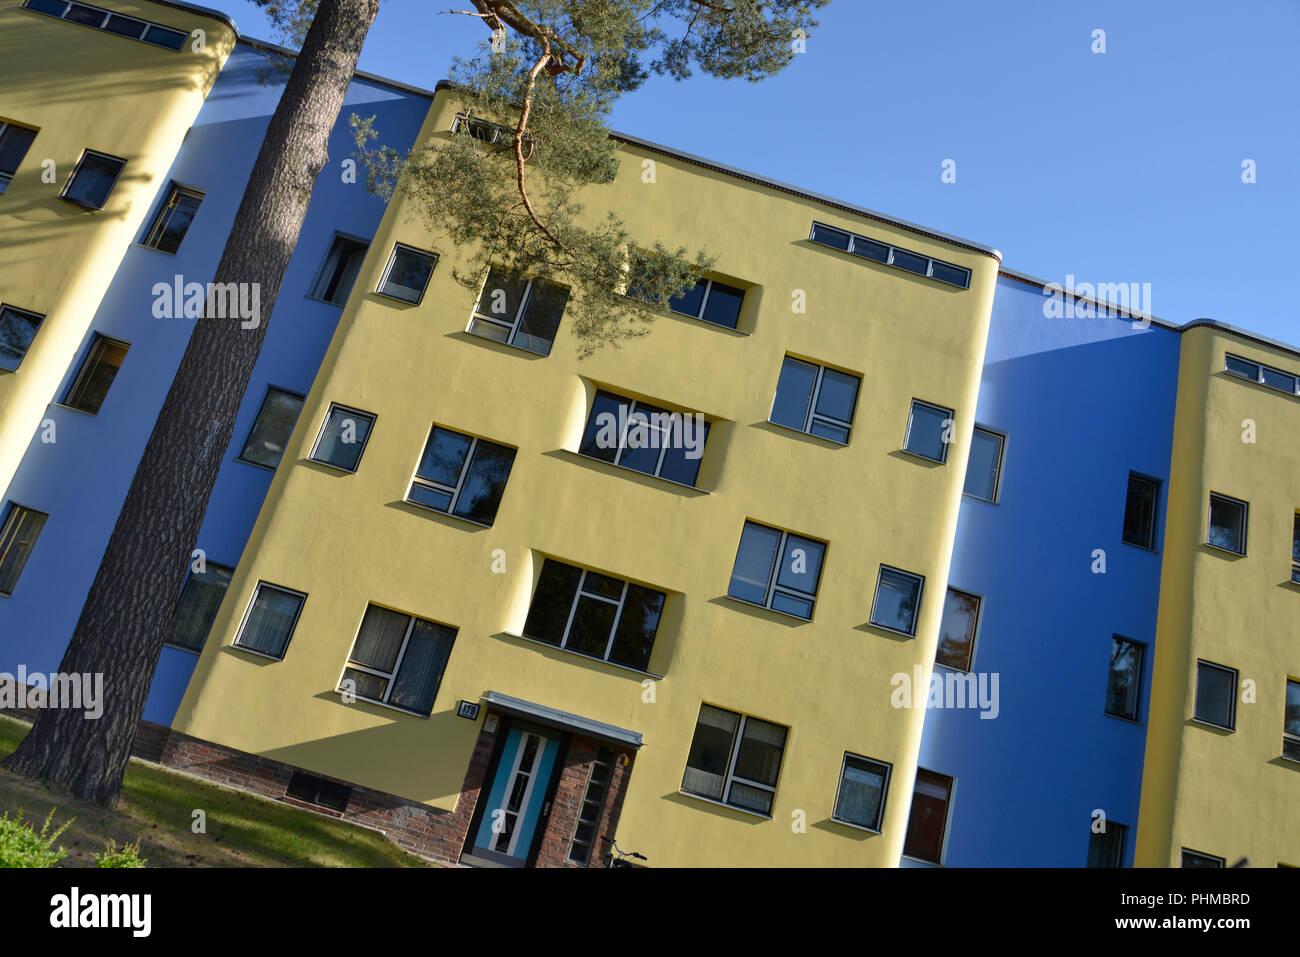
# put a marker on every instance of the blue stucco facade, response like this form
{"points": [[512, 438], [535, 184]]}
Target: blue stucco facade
{"points": [[81, 478], [1082, 402]]}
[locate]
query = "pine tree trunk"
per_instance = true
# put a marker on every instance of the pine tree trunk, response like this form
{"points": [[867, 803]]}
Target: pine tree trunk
{"points": [[133, 598]]}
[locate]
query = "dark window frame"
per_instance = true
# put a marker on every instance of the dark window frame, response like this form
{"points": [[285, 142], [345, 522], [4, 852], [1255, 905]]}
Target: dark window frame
{"points": [[945, 826], [1136, 716], [774, 573], [147, 26], [8, 520], [322, 280], [320, 435], [997, 475], [189, 577], [252, 431], [392, 677], [729, 776], [633, 407], [248, 611], [1209, 860], [37, 319], [975, 630], [516, 323], [92, 355], [1232, 698], [1245, 522], [916, 612], [392, 262], [887, 254], [157, 227], [7, 176], [810, 412], [1119, 847], [72, 179], [465, 469], [950, 415], [874, 828]]}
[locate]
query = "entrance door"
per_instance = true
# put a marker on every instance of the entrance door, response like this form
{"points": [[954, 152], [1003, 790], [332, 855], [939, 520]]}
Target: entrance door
{"points": [[516, 797]]}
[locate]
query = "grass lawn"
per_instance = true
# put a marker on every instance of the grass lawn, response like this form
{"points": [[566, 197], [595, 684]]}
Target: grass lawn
{"points": [[157, 810]]}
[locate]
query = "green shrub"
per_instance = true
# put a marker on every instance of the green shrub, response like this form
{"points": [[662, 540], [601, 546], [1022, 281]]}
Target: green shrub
{"points": [[22, 846], [128, 856]]}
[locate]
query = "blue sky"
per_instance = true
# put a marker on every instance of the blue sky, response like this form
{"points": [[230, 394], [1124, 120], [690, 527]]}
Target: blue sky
{"points": [[1123, 166]]}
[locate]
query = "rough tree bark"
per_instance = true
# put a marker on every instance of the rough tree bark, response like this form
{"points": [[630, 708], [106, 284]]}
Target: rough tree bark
{"points": [[121, 628]]}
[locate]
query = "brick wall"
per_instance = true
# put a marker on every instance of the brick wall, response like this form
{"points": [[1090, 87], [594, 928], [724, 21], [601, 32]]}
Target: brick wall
{"points": [[576, 769]]}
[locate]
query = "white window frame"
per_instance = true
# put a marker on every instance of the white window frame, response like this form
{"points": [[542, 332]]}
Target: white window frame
{"points": [[63, 194], [950, 415], [704, 304], [884, 792], [997, 477], [252, 603], [773, 586], [890, 249], [664, 437], [916, 613], [459, 487], [578, 595], [811, 414], [325, 423], [388, 271], [513, 325], [102, 25], [1245, 522], [730, 777], [1261, 369], [397, 663]]}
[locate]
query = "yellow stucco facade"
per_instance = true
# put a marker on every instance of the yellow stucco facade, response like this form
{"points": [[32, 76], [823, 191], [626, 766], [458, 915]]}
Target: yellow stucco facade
{"points": [[113, 95], [347, 540], [1225, 793]]}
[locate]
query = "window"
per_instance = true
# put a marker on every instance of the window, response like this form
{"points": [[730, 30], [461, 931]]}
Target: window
{"points": [[1140, 511], [778, 570], [735, 759], [644, 438], [93, 179], [710, 301], [18, 534], [1216, 695], [313, 790], [879, 252], [17, 330], [1261, 374], [984, 469], [1242, 368], [123, 26], [1197, 859], [343, 438], [594, 615], [1291, 721], [98, 370], [271, 430], [929, 430], [897, 601], [1295, 550], [524, 313], [200, 599], [491, 133], [269, 622], [407, 274], [398, 660], [860, 797], [339, 270], [172, 220], [14, 143], [593, 805], [961, 612], [1106, 849], [815, 399], [929, 817], [462, 475], [1228, 524], [1124, 686]]}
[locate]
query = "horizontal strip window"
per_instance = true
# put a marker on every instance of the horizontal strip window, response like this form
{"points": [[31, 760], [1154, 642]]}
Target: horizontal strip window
{"points": [[494, 134], [1260, 374], [130, 27], [888, 255]]}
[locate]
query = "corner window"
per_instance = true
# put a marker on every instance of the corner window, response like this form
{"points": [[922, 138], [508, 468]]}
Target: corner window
{"points": [[1124, 686], [343, 438], [710, 301], [888, 255], [929, 431], [519, 312], [462, 475], [270, 620], [928, 820], [815, 399], [1216, 695], [1197, 859], [200, 600], [1140, 511], [98, 370], [1228, 524], [338, 272], [984, 469], [735, 759], [897, 601], [398, 660], [271, 430], [17, 330], [407, 274], [778, 570], [18, 534], [860, 797], [172, 220], [1106, 849], [594, 615], [961, 612], [1291, 721], [641, 437], [14, 143], [93, 179]]}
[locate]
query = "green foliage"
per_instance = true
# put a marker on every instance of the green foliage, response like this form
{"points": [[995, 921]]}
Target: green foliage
{"points": [[291, 20], [127, 856], [22, 846], [548, 80]]}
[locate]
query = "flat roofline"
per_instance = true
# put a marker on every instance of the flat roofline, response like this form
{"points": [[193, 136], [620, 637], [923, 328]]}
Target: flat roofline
{"points": [[203, 11], [269, 47], [1202, 323]]}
